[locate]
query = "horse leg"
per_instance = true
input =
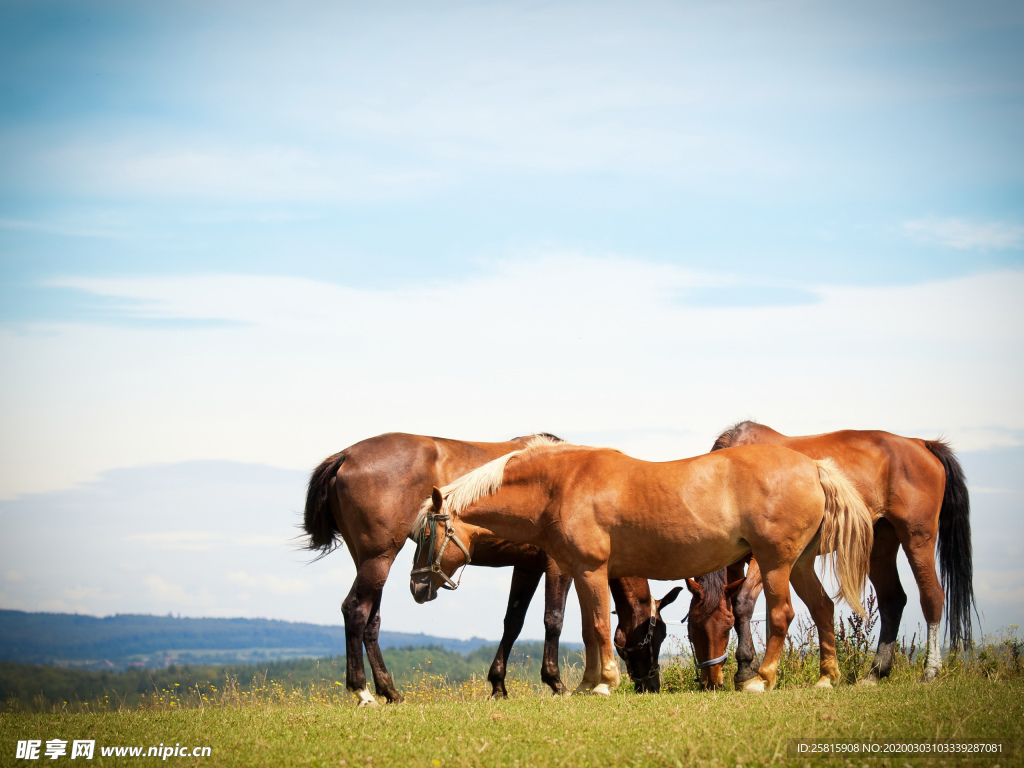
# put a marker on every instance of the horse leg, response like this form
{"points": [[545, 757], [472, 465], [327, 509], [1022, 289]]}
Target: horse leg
{"points": [[370, 577], [743, 610], [921, 552], [556, 590], [891, 599], [524, 584], [780, 614], [382, 681], [602, 673], [808, 588]]}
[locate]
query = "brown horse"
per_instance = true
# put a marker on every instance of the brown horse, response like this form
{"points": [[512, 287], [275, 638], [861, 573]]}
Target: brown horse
{"points": [[369, 495], [601, 514], [917, 488]]}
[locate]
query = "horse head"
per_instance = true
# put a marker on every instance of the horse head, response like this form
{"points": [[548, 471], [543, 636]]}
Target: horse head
{"points": [[436, 562], [709, 622]]}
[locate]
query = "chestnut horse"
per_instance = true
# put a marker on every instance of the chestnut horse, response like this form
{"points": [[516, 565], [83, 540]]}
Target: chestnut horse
{"points": [[369, 495], [917, 488], [601, 514]]}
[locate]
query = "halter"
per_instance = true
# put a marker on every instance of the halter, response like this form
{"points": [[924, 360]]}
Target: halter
{"points": [[425, 539], [697, 667], [656, 667]]}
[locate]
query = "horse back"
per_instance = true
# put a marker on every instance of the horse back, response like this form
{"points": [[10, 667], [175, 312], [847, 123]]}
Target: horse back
{"points": [[886, 469], [383, 480]]}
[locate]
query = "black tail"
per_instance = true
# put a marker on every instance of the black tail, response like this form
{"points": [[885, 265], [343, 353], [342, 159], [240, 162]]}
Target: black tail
{"points": [[318, 522], [956, 566]]}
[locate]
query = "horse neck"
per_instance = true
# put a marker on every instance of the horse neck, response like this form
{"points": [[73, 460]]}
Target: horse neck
{"points": [[512, 513], [632, 597]]}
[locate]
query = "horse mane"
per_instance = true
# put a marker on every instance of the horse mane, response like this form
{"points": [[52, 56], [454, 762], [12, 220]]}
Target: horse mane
{"points": [[726, 438], [713, 588], [483, 481]]}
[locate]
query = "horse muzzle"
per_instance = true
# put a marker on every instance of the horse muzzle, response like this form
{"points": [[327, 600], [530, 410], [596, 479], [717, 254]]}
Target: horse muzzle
{"points": [[423, 590]]}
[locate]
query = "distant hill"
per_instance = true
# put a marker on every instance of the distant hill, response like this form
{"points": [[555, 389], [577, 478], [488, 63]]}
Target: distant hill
{"points": [[136, 640]]}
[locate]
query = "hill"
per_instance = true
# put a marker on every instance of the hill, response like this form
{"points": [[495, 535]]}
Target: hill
{"points": [[137, 640]]}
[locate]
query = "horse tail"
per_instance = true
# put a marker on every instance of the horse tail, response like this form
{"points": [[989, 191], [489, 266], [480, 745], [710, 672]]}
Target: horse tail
{"points": [[956, 565], [318, 522], [847, 533]]}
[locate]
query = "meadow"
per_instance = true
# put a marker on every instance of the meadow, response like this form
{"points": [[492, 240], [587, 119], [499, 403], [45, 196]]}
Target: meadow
{"points": [[269, 722]]}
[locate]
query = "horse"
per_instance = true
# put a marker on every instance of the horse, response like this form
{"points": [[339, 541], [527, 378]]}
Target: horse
{"points": [[601, 514], [369, 495], [917, 490]]}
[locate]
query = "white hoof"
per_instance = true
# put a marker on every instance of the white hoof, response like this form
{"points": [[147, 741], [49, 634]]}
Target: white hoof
{"points": [[754, 685], [366, 699], [601, 689], [869, 681], [824, 682], [930, 673]]}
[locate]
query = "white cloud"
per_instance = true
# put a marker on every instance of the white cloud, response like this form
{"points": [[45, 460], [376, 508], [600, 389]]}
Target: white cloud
{"points": [[169, 594], [184, 540], [599, 346], [79, 593], [275, 584], [967, 235], [261, 541]]}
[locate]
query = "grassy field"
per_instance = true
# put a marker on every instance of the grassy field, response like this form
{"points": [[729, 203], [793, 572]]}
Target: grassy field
{"points": [[453, 724], [678, 729]]}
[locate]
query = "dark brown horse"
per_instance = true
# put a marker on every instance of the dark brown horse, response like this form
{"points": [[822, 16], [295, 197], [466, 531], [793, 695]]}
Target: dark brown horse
{"points": [[917, 488], [369, 495], [601, 514]]}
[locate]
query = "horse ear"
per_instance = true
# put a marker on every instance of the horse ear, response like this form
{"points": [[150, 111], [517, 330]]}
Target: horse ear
{"points": [[694, 587], [669, 598], [732, 589], [436, 499]]}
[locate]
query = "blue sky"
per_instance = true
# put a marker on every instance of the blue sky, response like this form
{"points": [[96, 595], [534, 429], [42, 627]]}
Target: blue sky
{"points": [[242, 234]]}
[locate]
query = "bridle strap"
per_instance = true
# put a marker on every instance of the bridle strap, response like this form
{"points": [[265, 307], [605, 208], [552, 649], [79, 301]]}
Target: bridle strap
{"points": [[698, 666], [425, 538]]}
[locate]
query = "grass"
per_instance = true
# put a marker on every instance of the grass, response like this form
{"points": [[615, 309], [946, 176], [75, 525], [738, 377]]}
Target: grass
{"points": [[446, 724], [678, 729]]}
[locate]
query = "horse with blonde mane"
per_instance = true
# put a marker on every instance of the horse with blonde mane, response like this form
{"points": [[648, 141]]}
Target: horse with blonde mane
{"points": [[601, 514], [369, 495]]}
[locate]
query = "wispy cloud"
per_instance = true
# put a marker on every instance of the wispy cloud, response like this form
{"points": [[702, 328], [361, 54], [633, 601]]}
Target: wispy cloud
{"points": [[586, 344], [184, 540], [967, 235], [268, 581]]}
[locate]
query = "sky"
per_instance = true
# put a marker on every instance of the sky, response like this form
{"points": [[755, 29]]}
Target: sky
{"points": [[236, 238]]}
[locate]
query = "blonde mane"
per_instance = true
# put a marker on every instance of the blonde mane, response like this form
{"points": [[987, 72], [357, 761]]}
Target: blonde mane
{"points": [[482, 481]]}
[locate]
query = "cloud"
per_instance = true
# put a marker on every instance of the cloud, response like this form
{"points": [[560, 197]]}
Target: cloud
{"points": [[170, 594], [561, 342], [275, 584], [79, 593], [966, 235], [183, 540]]}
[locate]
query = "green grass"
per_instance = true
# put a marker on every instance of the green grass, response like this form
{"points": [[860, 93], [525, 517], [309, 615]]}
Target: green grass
{"points": [[537, 730], [446, 723]]}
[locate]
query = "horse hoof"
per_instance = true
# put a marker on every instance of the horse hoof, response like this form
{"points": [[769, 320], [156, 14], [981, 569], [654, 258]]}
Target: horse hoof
{"points": [[499, 696], [869, 681], [824, 682], [930, 673], [756, 685], [366, 699], [601, 689]]}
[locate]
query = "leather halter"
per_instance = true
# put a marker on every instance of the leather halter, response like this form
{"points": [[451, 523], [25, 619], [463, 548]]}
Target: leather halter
{"points": [[698, 666], [425, 539], [648, 638]]}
